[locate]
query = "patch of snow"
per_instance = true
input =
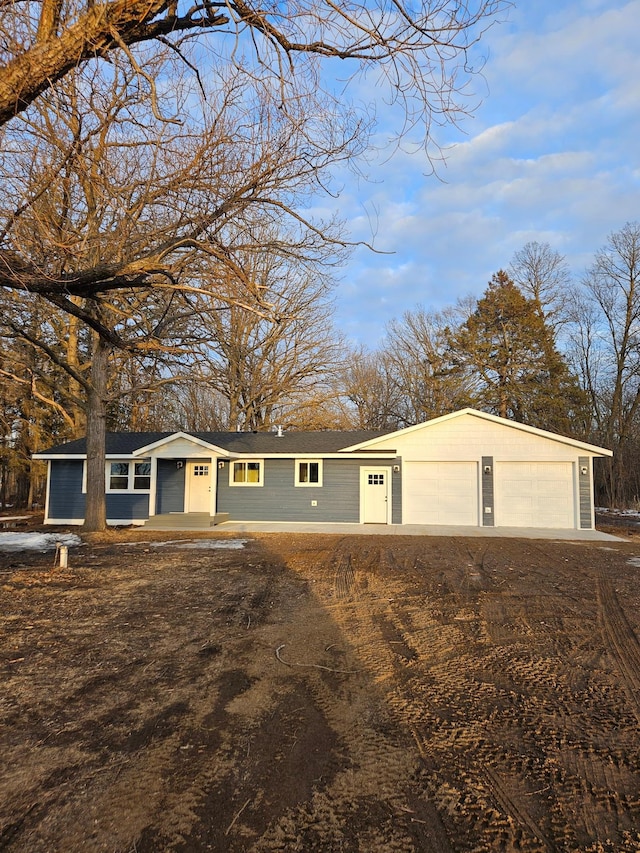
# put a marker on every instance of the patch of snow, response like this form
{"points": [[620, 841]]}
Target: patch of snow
{"points": [[634, 561], [627, 513], [37, 541], [204, 544]]}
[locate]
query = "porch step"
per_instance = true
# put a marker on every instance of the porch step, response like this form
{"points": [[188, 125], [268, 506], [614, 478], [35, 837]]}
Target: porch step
{"points": [[185, 521]]}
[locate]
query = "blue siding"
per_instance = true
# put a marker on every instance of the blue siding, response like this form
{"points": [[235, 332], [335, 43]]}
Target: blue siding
{"points": [[488, 496], [396, 493], [66, 500], [338, 499], [129, 506], [65, 489], [585, 491], [170, 487]]}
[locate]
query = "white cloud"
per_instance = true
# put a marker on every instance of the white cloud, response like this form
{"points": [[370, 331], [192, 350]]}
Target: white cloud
{"points": [[551, 156]]}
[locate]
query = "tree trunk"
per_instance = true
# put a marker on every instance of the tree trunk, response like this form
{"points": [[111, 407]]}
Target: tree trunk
{"points": [[95, 518], [76, 412]]}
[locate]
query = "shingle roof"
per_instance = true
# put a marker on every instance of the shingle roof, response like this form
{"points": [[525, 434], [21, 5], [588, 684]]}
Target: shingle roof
{"points": [[258, 443]]}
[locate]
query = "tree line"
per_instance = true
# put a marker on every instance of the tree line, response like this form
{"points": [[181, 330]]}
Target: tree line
{"points": [[539, 346], [162, 265]]}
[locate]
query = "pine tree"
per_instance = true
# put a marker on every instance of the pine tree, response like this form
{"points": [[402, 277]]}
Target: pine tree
{"points": [[508, 352]]}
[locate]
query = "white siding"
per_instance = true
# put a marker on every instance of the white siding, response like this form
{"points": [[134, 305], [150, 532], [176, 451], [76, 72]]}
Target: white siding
{"points": [[468, 437], [534, 474], [440, 493], [181, 447]]}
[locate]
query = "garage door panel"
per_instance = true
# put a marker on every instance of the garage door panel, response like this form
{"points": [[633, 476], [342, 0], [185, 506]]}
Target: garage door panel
{"points": [[440, 493], [534, 494]]}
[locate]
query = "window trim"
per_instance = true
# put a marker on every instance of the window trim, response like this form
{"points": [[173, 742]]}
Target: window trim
{"points": [[244, 484], [306, 485], [131, 476]]}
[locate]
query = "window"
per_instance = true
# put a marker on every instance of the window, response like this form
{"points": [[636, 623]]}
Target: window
{"points": [[119, 477], [246, 474], [308, 472], [129, 476], [141, 475]]}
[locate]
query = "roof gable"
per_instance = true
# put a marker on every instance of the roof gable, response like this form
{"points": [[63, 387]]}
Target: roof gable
{"points": [[178, 444], [380, 442]]}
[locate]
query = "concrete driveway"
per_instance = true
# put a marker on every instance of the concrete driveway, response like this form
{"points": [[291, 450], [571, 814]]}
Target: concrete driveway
{"points": [[415, 530]]}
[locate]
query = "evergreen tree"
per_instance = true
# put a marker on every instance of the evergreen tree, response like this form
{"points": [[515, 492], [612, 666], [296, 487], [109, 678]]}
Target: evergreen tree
{"points": [[508, 352]]}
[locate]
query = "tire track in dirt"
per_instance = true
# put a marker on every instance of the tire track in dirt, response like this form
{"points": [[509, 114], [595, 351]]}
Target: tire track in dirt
{"points": [[532, 622], [402, 632], [468, 650], [345, 577], [619, 639], [382, 759], [500, 790]]}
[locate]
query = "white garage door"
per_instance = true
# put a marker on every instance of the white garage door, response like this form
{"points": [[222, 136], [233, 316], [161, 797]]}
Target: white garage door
{"points": [[534, 494], [440, 493]]}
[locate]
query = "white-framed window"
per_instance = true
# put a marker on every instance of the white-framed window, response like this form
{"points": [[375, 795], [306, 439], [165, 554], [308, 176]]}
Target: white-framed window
{"points": [[246, 473], [131, 476], [308, 472]]}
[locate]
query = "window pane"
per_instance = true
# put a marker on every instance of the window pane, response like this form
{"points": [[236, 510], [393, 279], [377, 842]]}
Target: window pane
{"points": [[304, 472], [142, 482], [314, 470], [253, 472], [143, 469], [238, 472], [119, 476]]}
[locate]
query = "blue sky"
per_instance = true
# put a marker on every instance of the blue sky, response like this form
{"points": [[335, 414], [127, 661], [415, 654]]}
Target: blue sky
{"points": [[552, 154]]}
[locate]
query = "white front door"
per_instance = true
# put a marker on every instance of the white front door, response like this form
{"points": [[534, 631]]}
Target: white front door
{"points": [[375, 495], [198, 487]]}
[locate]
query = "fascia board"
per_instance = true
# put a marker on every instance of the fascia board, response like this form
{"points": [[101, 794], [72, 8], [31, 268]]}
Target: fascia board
{"points": [[382, 454], [45, 455], [391, 454], [82, 456]]}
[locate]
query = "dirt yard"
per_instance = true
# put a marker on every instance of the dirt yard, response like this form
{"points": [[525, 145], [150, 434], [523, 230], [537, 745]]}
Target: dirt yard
{"points": [[321, 693]]}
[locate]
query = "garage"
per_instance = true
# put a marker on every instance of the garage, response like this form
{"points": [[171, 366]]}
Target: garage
{"points": [[534, 494], [440, 493]]}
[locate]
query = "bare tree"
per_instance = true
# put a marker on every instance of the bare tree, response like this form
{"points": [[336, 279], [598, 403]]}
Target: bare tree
{"points": [[266, 361], [543, 275], [122, 216], [420, 51], [606, 338], [370, 395], [418, 353], [164, 194]]}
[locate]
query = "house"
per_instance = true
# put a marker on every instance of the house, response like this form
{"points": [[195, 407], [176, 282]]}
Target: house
{"points": [[465, 468]]}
